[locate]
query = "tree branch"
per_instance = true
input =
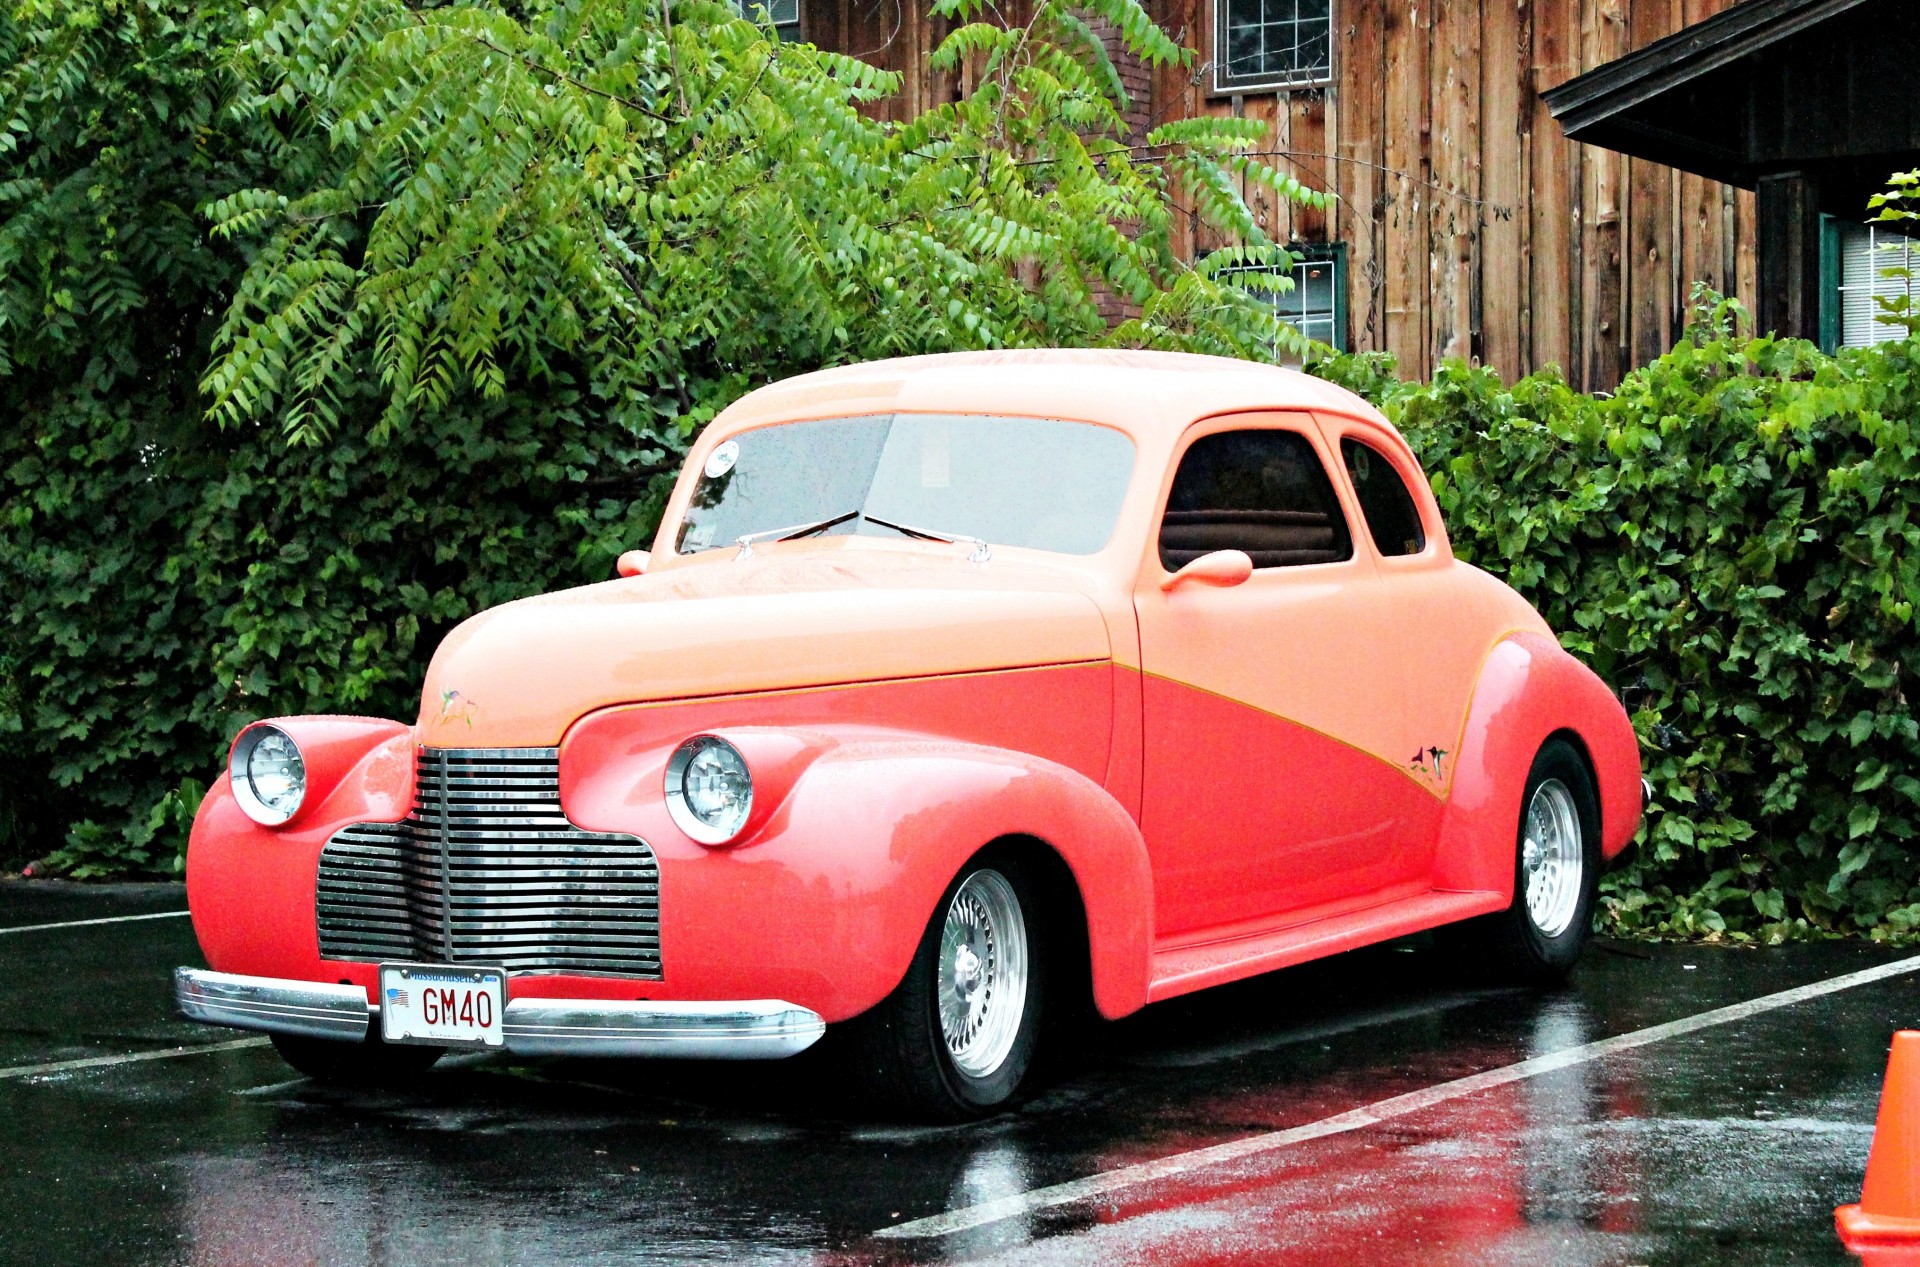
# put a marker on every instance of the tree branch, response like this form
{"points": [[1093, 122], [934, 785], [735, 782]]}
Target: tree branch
{"points": [[557, 76]]}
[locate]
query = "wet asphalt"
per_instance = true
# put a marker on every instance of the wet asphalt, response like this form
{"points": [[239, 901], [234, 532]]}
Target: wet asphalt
{"points": [[1728, 1145]]}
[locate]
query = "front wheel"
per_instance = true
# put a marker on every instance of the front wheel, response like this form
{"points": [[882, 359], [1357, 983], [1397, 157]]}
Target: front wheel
{"points": [[1539, 937], [370, 1063], [954, 1039]]}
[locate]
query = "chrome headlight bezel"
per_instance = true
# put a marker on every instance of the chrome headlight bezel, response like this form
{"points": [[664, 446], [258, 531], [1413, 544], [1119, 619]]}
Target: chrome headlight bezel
{"points": [[705, 830], [240, 775]]}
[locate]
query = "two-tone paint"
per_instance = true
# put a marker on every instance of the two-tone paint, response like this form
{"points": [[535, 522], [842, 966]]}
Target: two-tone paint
{"points": [[1235, 777]]}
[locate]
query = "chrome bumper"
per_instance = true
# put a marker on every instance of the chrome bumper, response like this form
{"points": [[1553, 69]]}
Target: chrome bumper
{"points": [[760, 1029], [308, 1008]]}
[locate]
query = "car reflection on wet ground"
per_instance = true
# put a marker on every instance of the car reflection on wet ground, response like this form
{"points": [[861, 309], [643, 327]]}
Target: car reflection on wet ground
{"points": [[1730, 1144]]}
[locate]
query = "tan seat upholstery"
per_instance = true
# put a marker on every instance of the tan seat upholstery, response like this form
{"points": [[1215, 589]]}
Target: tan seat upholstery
{"points": [[1271, 538]]}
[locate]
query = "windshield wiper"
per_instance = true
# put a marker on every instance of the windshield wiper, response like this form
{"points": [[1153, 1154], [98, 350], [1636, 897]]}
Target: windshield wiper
{"points": [[745, 541], [980, 551]]}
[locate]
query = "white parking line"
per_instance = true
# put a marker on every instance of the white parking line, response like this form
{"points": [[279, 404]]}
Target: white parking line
{"points": [[102, 1062], [83, 923], [988, 1212]]}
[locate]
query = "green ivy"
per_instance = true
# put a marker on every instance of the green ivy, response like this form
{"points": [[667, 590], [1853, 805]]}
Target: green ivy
{"points": [[165, 594], [1730, 540]]}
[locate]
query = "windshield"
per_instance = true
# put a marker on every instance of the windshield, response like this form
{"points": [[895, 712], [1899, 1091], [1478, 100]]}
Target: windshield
{"points": [[1034, 482]]}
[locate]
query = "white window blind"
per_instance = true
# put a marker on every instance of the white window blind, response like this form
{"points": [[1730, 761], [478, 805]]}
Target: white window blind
{"points": [[1867, 253]]}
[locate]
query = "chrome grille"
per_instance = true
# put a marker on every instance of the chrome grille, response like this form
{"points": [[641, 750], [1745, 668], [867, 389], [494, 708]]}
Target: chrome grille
{"points": [[487, 869]]}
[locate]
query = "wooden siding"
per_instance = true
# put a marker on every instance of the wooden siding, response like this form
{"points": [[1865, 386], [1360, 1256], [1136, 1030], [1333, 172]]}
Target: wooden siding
{"points": [[1473, 227]]}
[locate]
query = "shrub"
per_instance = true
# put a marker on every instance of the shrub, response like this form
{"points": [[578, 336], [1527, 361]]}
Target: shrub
{"points": [[1730, 541], [166, 591]]}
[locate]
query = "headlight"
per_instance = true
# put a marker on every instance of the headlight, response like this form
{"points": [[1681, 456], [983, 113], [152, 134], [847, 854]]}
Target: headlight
{"points": [[269, 776], [709, 791]]}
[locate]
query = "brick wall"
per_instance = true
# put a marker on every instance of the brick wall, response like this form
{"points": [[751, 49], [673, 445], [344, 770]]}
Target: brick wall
{"points": [[1138, 81]]}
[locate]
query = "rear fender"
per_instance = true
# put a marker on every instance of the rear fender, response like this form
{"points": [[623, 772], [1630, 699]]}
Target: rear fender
{"points": [[1529, 690], [823, 898]]}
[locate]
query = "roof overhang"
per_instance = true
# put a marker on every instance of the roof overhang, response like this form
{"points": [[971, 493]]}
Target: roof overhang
{"points": [[1820, 87]]}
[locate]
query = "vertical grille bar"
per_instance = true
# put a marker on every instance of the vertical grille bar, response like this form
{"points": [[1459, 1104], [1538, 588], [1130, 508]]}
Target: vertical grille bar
{"points": [[488, 869], [439, 757]]}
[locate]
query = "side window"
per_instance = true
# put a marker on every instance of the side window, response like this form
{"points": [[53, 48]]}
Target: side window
{"points": [[1391, 515], [1264, 492]]}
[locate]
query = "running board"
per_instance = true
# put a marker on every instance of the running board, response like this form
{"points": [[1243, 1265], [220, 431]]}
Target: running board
{"points": [[1183, 969]]}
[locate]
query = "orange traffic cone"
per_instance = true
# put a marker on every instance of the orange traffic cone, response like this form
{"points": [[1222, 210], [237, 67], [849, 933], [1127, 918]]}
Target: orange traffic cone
{"points": [[1889, 1210]]}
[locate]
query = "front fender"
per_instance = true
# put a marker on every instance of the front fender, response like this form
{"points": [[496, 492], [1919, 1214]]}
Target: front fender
{"points": [[250, 888], [824, 901], [1529, 690]]}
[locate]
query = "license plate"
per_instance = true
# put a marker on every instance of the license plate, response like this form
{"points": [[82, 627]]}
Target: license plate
{"points": [[445, 1006]]}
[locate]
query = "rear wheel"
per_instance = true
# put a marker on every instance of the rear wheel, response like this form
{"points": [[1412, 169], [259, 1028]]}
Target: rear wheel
{"points": [[370, 1063], [1539, 937], [955, 1038]]}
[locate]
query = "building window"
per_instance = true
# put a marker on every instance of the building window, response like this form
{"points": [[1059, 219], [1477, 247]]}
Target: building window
{"points": [[783, 14], [1860, 258], [1317, 304], [1260, 44]]}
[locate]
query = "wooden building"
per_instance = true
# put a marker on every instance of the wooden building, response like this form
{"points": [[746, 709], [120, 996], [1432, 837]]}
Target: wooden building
{"points": [[1806, 102], [1468, 224]]}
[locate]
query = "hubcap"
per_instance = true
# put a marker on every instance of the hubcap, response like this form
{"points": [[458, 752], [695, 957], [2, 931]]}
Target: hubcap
{"points": [[1553, 858], [983, 973]]}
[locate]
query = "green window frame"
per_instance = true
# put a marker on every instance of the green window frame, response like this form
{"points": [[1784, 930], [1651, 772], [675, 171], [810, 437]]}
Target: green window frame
{"points": [[1855, 260], [1317, 304]]}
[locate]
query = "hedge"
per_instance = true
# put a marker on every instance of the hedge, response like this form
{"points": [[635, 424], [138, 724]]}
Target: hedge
{"points": [[1729, 540], [164, 590]]}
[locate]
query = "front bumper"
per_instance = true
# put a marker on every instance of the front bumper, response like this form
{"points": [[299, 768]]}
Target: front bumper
{"points": [[760, 1029]]}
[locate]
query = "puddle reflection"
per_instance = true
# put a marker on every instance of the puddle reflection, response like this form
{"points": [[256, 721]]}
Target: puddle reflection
{"points": [[997, 1171], [327, 1205], [1571, 1166]]}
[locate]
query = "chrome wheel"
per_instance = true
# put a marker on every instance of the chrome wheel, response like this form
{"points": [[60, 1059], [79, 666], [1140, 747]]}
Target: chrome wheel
{"points": [[1552, 858], [982, 973]]}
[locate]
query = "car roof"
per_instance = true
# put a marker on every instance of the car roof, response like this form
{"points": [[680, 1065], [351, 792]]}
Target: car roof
{"points": [[1151, 395]]}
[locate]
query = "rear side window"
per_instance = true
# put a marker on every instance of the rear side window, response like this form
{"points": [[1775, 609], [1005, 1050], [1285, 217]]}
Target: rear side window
{"points": [[1264, 492], [1391, 515]]}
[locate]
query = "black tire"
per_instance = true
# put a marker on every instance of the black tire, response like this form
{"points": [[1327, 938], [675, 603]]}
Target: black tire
{"points": [[902, 1059], [1512, 945], [371, 1063]]}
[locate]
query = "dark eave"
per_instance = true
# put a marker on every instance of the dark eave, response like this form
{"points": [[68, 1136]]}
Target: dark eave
{"points": [[1812, 89], [1609, 91]]}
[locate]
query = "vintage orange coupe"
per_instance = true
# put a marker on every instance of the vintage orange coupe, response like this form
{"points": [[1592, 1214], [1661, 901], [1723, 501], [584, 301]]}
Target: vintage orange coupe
{"points": [[956, 694]]}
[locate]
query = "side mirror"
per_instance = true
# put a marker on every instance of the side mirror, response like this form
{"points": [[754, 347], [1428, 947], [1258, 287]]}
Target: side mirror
{"points": [[632, 563], [1222, 568]]}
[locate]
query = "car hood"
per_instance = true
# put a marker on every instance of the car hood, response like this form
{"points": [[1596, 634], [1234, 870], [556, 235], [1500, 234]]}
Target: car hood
{"points": [[520, 674]]}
